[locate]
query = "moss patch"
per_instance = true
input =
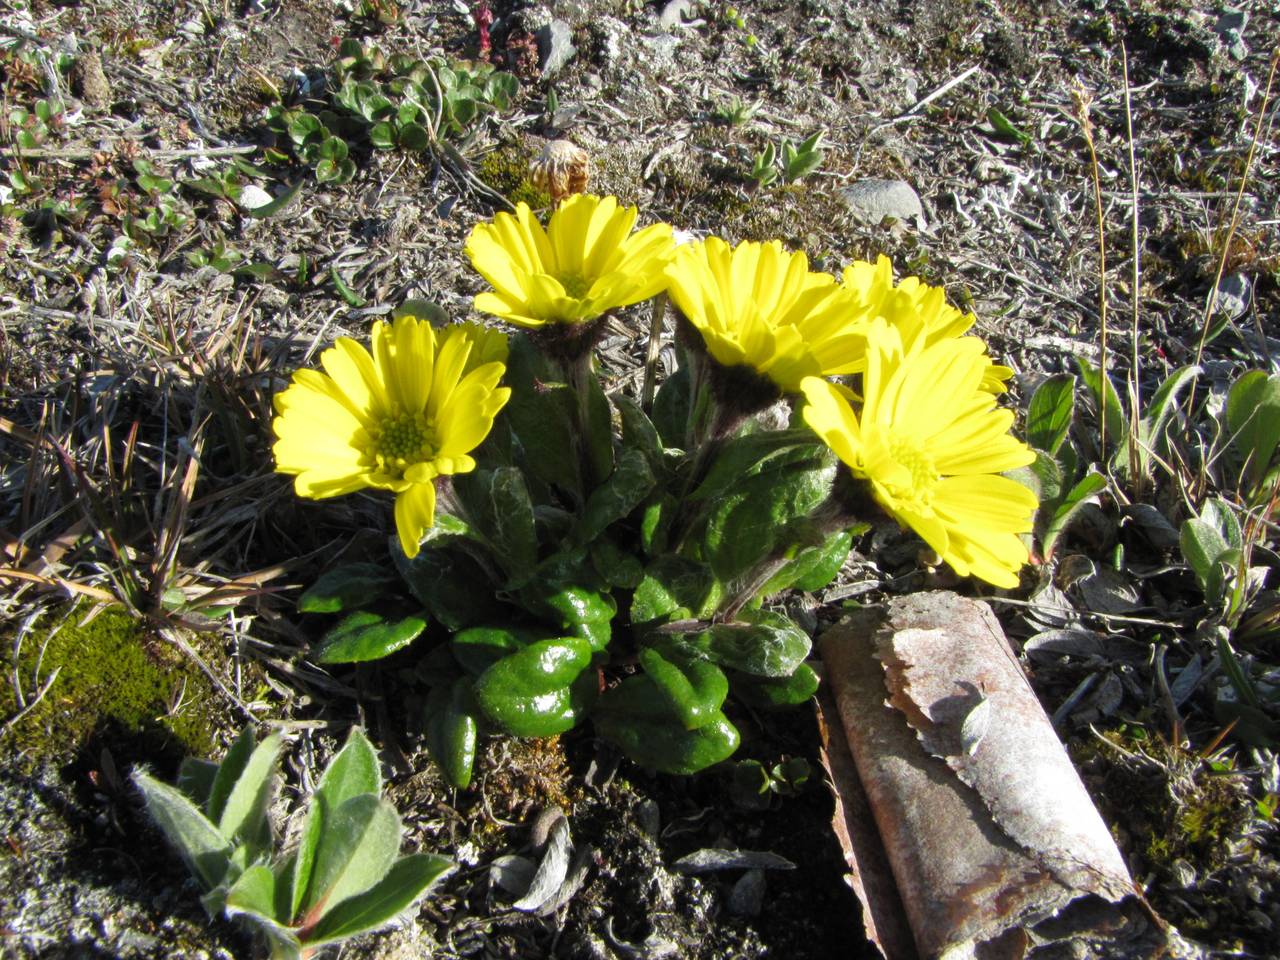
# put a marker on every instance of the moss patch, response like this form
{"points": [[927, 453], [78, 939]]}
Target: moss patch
{"points": [[506, 169], [117, 686]]}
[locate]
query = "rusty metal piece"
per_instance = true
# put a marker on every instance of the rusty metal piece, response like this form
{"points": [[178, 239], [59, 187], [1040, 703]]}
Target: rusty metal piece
{"points": [[994, 846], [561, 169]]}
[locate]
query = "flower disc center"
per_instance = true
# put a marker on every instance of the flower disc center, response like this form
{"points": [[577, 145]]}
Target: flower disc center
{"points": [[916, 475], [575, 285], [402, 440]]}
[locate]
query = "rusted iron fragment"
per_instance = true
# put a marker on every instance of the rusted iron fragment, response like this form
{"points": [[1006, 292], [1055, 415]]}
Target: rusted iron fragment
{"points": [[989, 833], [869, 874]]}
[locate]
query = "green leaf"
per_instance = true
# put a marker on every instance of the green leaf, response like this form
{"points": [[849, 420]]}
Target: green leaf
{"points": [[451, 585], [276, 205], [479, 648], [254, 895], [423, 310], [408, 880], [1005, 127], [671, 407], [528, 693], [1106, 400], [741, 456], [229, 770], [775, 693], [195, 779], [747, 526], [760, 642], [347, 587], [1164, 402], [667, 747], [624, 490], [1050, 412], [1203, 547], [497, 501], [599, 431], [353, 771], [244, 815], [812, 567], [1222, 516], [1253, 417], [693, 690], [357, 846], [367, 635], [382, 135], [542, 414], [616, 566], [675, 588], [452, 730], [348, 295], [205, 851], [638, 431], [413, 136], [1059, 514], [565, 606]]}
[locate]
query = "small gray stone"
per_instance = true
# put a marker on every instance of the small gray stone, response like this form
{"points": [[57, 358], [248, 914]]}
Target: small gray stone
{"points": [[747, 897], [711, 859], [555, 47], [873, 200]]}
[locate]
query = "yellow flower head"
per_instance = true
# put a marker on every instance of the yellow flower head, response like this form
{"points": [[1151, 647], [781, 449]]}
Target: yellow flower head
{"points": [[396, 419], [920, 312], [931, 442], [760, 306], [584, 264]]}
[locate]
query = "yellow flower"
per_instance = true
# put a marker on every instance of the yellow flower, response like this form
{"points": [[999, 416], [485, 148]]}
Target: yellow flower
{"points": [[395, 420], [931, 442], [760, 306], [919, 311], [586, 263]]}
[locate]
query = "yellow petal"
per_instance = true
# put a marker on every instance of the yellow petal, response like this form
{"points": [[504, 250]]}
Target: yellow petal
{"points": [[415, 513]]}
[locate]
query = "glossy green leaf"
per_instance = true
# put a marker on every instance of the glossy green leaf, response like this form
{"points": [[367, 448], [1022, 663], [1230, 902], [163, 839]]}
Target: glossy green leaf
{"points": [[479, 648], [1050, 412], [775, 693], [367, 635], [671, 408], [693, 690], [674, 588], [563, 605], [624, 490], [529, 693], [812, 567], [357, 846], [347, 587], [666, 746], [452, 730], [748, 525], [205, 851], [638, 431], [760, 642], [616, 567]]}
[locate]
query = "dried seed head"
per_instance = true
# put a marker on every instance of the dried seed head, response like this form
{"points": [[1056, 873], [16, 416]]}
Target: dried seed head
{"points": [[561, 170]]}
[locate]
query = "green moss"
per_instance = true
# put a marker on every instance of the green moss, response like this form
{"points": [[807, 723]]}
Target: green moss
{"points": [[506, 169], [117, 686]]}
